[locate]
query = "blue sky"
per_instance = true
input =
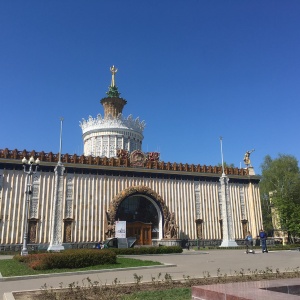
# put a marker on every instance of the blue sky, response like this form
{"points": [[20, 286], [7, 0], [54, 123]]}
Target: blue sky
{"points": [[193, 70]]}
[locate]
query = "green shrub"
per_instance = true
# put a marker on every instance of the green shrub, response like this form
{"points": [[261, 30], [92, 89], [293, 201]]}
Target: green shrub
{"points": [[146, 250], [68, 259]]}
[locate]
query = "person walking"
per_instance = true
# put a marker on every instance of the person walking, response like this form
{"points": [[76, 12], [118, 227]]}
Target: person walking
{"points": [[249, 243], [263, 240]]}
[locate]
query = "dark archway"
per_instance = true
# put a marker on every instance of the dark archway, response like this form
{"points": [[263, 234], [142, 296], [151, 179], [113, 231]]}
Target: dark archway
{"points": [[146, 193], [140, 209]]}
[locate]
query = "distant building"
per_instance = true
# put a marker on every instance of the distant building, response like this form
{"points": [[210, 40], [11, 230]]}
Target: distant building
{"points": [[114, 180]]}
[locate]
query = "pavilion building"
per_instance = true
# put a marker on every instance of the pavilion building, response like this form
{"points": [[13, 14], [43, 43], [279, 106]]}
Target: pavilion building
{"points": [[114, 180]]}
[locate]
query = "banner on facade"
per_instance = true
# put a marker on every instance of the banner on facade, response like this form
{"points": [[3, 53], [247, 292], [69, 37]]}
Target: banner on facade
{"points": [[120, 229]]}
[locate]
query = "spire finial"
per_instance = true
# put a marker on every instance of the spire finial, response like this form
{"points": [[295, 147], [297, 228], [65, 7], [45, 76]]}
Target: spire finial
{"points": [[113, 71], [113, 89]]}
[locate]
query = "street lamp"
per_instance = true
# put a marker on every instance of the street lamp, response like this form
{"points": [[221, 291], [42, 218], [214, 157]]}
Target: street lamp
{"points": [[28, 166]]}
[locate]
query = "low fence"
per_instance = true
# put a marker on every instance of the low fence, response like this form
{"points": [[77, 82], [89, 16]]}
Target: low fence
{"points": [[167, 242]]}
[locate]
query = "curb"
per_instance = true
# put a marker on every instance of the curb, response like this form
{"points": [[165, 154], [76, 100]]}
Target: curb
{"points": [[30, 277]]}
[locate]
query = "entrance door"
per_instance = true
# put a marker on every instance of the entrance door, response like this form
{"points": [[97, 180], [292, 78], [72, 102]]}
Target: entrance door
{"points": [[142, 218], [141, 231], [146, 234]]}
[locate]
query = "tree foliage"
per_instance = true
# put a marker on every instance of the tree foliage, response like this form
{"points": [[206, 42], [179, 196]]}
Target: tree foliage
{"points": [[280, 188], [226, 165]]}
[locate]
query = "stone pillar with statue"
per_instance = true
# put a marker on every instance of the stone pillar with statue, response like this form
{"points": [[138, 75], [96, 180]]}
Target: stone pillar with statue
{"points": [[247, 162]]}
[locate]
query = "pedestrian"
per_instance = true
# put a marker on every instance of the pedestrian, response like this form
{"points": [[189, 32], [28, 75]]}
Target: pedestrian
{"points": [[249, 242], [99, 245], [187, 245], [263, 240]]}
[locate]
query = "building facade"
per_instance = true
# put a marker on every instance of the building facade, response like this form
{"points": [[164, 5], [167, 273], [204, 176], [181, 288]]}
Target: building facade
{"points": [[114, 180]]}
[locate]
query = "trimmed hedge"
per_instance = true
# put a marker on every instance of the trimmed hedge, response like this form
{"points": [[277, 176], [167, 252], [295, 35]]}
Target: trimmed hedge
{"points": [[70, 259], [146, 250]]}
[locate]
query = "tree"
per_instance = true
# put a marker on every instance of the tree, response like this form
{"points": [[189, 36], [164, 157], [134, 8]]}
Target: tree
{"points": [[280, 188], [226, 165]]}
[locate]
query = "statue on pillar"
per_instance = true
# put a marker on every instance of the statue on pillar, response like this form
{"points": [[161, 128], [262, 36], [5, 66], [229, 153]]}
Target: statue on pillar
{"points": [[247, 160]]}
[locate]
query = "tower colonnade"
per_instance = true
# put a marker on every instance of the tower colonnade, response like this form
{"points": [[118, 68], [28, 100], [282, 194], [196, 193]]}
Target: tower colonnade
{"points": [[104, 136]]}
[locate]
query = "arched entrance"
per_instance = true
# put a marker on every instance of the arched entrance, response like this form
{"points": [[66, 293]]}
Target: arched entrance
{"points": [[142, 216], [137, 196]]}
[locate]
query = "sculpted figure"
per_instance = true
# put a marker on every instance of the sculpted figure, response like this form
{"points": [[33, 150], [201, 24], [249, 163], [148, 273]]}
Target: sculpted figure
{"points": [[153, 156], [173, 227], [113, 71], [110, 231], [122, 153], [170, 227], [167, 227], [32, 233], [68, 233], [247, 158]]}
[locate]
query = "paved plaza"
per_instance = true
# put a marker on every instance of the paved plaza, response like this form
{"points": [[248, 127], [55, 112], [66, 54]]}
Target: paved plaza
{"points": [[189, 263]]}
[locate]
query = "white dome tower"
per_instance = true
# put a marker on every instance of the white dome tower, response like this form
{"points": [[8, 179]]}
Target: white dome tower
{"points": [[104, 136]]}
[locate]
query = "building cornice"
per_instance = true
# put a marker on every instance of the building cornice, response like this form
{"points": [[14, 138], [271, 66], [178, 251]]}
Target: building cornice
{"points": [[89, 163]]}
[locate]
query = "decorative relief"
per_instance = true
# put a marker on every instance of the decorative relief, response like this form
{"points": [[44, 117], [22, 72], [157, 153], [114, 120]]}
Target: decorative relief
{"points": [[69, 210], [197, 201], [220, 201], [199, 228], [68, 231], [110, 227], [33, 208], [69, 192], [137, 158], [170, 227], [75, 159], [69, 197], [32, 228], [153, 156], [121, 153], [34, 201], [242, 201]]}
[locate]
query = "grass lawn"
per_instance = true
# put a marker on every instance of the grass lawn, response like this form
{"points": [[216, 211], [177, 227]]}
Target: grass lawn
{"points": [[172, 294], [11, 267]]}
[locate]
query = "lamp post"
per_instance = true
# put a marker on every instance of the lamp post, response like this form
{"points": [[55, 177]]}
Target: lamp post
{"points": [[28, 166]]}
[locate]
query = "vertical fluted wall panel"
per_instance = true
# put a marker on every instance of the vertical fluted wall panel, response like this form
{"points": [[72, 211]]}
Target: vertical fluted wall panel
{"points": [[92, 195]]}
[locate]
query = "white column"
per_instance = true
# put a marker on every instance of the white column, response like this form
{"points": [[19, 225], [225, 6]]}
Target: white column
{"points": [[101, 145], [56, 216], [108, 146], [228, 240]]}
